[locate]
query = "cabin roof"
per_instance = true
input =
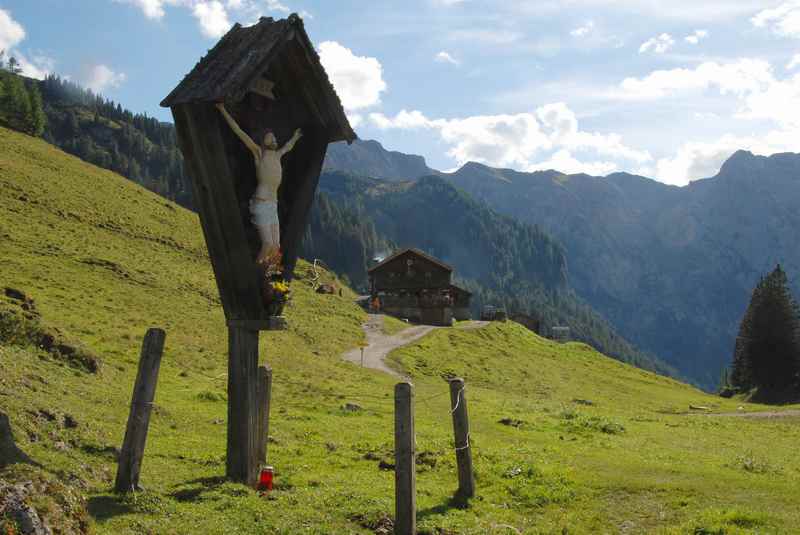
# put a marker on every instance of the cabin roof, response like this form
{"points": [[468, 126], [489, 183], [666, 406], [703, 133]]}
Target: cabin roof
{"points": [[459, 289], [413, 251], [243, 55]]}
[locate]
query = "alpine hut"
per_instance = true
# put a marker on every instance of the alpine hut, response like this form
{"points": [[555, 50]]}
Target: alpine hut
{"points": [[416, 286]]}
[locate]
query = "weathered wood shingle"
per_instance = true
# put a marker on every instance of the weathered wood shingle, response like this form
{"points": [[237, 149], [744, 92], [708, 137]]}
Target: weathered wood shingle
{"points": [[245, 53]]}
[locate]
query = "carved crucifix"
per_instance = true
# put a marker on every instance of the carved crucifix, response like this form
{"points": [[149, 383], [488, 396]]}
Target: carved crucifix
{"points": [[264, 202]]}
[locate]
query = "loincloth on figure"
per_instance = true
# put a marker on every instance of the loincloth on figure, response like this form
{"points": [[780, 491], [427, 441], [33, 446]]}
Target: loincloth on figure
{"points": [[263, 212]]}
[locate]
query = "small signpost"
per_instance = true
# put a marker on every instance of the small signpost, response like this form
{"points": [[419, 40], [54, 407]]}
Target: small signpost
{"points": [[270, 79]]}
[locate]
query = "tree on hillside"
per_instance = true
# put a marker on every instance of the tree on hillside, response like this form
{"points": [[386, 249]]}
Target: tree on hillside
{"points": [[21, 106], [14, 66], [767, 353], [16, 104], [37, 119]]}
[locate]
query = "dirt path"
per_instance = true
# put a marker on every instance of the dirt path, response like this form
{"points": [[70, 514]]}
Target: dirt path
{"points": [[791, 413], [380, 344]]}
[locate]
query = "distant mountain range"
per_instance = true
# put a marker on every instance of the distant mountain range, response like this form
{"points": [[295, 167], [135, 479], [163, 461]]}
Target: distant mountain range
{"points": [[672, 268]]}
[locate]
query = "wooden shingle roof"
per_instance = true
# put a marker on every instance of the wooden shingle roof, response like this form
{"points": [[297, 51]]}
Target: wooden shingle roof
{"points": [[414, 251], [239, 60]]}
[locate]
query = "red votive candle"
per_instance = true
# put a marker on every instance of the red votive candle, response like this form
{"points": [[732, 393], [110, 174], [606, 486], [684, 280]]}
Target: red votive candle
{"points": [[265, 479]]}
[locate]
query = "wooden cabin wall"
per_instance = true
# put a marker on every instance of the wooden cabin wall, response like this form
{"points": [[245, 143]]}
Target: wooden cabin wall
{"points": [[394, 275]]}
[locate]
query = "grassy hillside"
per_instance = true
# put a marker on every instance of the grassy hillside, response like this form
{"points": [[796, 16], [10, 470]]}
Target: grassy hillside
{"points": [[586, 444]]}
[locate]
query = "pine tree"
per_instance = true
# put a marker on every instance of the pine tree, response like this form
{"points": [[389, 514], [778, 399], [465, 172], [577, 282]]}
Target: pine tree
{"points": [[14, 66], [768, 346], [37, 118], [16, 104]]}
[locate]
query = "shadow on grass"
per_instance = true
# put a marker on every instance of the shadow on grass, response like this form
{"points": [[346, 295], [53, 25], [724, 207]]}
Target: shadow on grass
{"points": [[456, 502], [108, 506], [196, 487], [9, 452]]}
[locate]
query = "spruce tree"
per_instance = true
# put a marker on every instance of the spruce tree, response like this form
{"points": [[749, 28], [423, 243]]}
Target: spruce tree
{"points": [[37, 119], [768, 346]]}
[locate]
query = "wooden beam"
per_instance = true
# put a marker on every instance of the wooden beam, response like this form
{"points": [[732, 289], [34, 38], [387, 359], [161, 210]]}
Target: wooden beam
{"points": [[274, 323], [264, 402], [242, 445]]}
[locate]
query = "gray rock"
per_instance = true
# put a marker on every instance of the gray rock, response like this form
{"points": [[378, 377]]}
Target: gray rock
{"points": [[13, 506]]}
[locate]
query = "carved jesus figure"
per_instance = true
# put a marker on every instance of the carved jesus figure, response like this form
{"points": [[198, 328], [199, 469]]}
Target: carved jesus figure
{"points": [[264, 202]]}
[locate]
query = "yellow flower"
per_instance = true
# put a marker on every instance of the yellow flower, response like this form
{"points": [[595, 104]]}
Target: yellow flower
{"points": [[281, 287]]}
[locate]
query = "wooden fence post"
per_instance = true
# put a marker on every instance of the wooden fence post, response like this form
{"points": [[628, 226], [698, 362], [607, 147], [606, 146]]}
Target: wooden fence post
{"points": [[405, 492], [242, 461], [264, 397], [458, 404], [144, 391]]}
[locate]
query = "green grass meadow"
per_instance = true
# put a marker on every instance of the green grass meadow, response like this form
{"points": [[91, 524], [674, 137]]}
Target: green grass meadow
{"points": [[564, 439]]}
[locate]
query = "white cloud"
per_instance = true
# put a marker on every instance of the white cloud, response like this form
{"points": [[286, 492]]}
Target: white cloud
{"points": [[11, 32], [581, 31], [777, 102], [355, 119], [101, 77], [783, 20], [152, 9], [563, 161], [682, 10], [696, 37], [358, 79], [794, 62], [696, 160], [213, 18], [275, 5], [405, 120], [37, 66], [445, 57], [659, 44], [740, 77], [546, 138]]}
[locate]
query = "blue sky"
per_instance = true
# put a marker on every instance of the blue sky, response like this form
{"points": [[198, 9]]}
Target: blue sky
{"points": [[592, 86]]}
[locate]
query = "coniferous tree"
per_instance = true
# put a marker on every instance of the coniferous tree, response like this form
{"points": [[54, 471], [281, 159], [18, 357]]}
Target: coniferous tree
{"points": [[768, 346], [16, 103], [37, 118], [14, 66]]}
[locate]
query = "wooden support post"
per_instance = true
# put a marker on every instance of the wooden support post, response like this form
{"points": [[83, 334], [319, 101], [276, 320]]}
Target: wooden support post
{"points": [[405, 492], [144, 391], [242, 459], [264, 397], [458, 407]]}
